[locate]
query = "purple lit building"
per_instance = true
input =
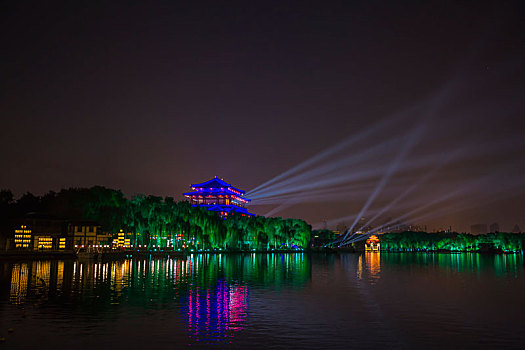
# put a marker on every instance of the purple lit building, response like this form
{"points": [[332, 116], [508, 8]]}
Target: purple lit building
{"points": [[219, 196]]}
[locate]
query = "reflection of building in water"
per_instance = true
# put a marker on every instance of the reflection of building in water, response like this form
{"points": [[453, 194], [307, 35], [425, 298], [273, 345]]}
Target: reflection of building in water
{"points": [[19, 281], [120, 276], [87, 274], [41, 273], [37, 278], [217, 311], [60, 275], [372, 262]]}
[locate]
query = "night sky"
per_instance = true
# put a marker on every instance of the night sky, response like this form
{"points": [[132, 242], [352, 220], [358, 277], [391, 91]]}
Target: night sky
{"points": [[151, 97]]}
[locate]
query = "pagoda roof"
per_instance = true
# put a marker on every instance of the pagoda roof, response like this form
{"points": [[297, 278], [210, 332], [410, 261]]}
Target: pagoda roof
{"points": [[215, 183]]}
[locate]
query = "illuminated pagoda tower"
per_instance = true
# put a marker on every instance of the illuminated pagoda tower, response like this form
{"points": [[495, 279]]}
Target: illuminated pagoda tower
{"points": [[217, 195]]}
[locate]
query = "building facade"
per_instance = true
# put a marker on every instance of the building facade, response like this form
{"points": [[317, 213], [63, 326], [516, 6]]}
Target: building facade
{"points": [[40, 232], [85, 234], [219, 196], [122, 241], [43, 233]]}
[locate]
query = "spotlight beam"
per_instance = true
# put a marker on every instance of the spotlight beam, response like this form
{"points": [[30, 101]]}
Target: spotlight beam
{"points": [[512, 186], [384, 123], [422, 180], [413, 139], [338, 164]]}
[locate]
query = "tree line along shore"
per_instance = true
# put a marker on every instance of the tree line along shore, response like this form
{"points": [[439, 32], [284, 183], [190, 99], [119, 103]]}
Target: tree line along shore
{"points": [[154, 221], [162, 222]]}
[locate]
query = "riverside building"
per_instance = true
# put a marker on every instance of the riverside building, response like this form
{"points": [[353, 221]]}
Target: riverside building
{"points": [[41, 232]]}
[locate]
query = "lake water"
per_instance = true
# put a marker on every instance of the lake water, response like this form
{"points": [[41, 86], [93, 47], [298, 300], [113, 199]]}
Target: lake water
{"points": [[266, 301]]}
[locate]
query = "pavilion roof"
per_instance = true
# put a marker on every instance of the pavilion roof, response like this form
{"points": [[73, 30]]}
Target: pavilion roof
{"points": [[215, 183]]}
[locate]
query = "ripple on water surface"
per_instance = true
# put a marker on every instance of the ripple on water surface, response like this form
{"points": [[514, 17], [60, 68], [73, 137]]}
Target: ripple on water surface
{"points": [[266, 300]]}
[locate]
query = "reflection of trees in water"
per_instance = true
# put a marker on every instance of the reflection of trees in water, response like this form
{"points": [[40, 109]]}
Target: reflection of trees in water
{"points": [[210, 290], [475, 263]]}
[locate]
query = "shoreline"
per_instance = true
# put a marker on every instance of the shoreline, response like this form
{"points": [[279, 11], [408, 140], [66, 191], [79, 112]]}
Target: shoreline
{"points": [[127, 254], [124, 254]]}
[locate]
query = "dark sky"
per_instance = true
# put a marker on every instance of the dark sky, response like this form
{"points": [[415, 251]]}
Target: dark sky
{"points": [[151, 97]]}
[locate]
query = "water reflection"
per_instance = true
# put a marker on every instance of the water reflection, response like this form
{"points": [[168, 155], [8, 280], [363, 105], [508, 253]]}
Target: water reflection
{"points": [[35, 278], [472, 263], [289, 301], [372, 264], [211, 292], [215, 312], [369, 266], [19, 281]]}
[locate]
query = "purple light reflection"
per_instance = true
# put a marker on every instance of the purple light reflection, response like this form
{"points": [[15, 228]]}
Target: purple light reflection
{"points": [[214, 314]]}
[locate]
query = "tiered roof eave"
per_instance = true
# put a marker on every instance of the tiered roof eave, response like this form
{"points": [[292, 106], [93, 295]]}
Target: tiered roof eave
{"points": [[216, 183]]}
